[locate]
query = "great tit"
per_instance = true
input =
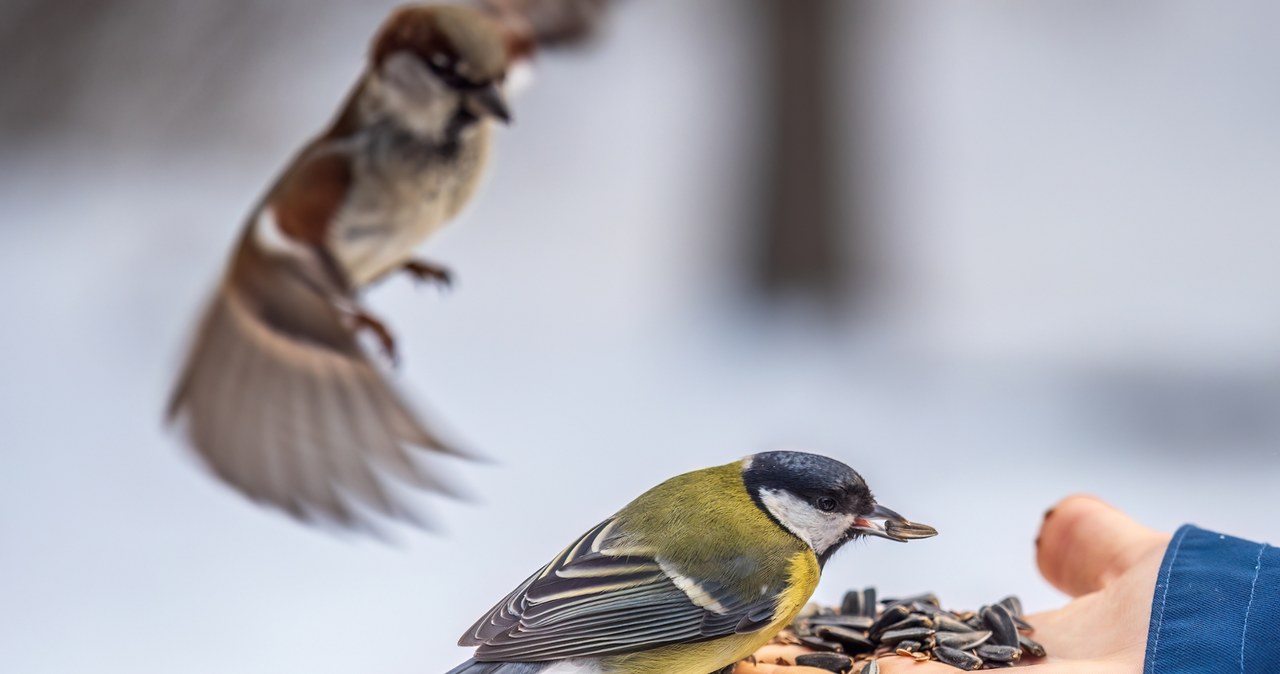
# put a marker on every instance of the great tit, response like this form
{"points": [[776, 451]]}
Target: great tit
{"points": [[690, 577]]}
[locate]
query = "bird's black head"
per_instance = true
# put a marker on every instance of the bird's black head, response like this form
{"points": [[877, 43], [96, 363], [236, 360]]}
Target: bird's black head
{"points": [[824, 484], [822, 501]]}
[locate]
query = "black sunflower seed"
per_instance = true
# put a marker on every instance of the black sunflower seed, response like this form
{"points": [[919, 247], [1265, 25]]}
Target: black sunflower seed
{"points": [[853, 642], [1031, 645], [998, 653], [852, 603], [963, 640], [818, 644], [948, 624], [888, 617], [869, 602], [958, 658], [892, 637], [998, 620], [832, 662], [1013, 604], [913, 620], [858, 622]]}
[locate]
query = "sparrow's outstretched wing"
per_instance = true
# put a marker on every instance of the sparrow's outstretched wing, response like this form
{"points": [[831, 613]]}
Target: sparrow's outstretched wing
{"points": [[602, 596], [278, 397]]}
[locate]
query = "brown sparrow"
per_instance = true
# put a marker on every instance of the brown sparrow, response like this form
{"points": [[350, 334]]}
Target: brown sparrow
{"points": [[278, 396]]}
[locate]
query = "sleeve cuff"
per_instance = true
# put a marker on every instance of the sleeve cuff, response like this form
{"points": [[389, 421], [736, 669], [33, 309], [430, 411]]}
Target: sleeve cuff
{"points": [[1216, 606]]}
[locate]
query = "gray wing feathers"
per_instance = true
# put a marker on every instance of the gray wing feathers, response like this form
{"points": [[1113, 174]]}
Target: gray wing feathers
{"points": [[298, 424], [601, 597], [473, 667]]}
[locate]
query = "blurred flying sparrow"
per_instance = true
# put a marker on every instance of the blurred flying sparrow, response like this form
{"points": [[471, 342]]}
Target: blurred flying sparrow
{"points": [[278, 396]]}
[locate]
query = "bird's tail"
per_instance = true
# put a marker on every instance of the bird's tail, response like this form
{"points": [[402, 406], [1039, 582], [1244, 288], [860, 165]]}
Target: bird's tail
{"points": [[284, 406], [473, 667]]}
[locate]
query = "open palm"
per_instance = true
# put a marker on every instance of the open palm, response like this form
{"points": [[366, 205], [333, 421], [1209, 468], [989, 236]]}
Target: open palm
{"points": [[1108, 563]]}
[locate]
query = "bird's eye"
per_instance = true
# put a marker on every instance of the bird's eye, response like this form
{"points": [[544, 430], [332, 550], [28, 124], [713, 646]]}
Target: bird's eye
{"points": [[826, 504]]}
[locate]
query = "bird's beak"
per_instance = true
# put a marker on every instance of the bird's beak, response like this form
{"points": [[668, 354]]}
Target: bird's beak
{"points": [[886, 523], [491, 103]]}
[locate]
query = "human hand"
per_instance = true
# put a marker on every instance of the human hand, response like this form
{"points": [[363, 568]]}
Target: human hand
{"points": [[1099, 556], [1108, 563]]}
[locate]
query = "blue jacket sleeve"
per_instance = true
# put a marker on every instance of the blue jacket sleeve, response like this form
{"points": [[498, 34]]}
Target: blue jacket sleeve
{"points": [[1216, 607]]}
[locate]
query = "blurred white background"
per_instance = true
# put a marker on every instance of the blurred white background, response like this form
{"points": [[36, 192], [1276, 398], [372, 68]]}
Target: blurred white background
{"points": [[1070, 205]]}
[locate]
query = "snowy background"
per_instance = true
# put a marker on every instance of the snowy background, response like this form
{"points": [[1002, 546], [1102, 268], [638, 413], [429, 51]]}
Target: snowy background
{"points": [[1074, 217]]}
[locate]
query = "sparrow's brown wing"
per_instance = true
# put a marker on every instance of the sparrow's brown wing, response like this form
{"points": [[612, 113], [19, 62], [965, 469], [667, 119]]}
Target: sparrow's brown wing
{"points": [[280, 399], [551, 22]]}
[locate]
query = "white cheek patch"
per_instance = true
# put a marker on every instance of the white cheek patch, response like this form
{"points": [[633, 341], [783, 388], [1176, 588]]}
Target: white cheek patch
{"points": [[820, 530], [403, 74], [409, 93]]}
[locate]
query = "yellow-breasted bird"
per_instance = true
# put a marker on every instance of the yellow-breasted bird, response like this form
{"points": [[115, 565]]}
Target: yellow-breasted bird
{"points": [[690, 577]]}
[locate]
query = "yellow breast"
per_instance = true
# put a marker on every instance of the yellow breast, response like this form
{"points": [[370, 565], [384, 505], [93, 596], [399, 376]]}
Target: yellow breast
{"points": [[710, 656]]}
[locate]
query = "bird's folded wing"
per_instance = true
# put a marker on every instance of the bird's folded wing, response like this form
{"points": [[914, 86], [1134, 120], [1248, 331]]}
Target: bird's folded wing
{"points": [[601, 597]]}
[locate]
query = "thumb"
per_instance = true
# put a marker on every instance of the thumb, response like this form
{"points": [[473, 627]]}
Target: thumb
{"points": [[1084, 543]]}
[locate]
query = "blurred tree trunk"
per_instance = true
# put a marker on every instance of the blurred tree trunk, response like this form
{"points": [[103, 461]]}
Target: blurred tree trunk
{"points": [[67, 63], [804, 230]]}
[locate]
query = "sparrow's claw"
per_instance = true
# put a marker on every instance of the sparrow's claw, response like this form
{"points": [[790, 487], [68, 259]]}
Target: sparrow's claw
{"points": [[428, 272], [386, 341]]}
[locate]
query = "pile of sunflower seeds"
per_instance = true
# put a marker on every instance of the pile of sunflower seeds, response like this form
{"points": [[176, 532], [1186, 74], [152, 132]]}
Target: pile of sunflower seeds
{"points": [[863, 629]]}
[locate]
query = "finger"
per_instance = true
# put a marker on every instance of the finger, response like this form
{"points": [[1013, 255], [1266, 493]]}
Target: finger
{"points": [[1084, 543]]}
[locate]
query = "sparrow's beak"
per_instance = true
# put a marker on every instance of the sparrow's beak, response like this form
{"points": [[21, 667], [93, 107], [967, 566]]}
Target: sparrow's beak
{"points": [[886, 523], [491, 103]]}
